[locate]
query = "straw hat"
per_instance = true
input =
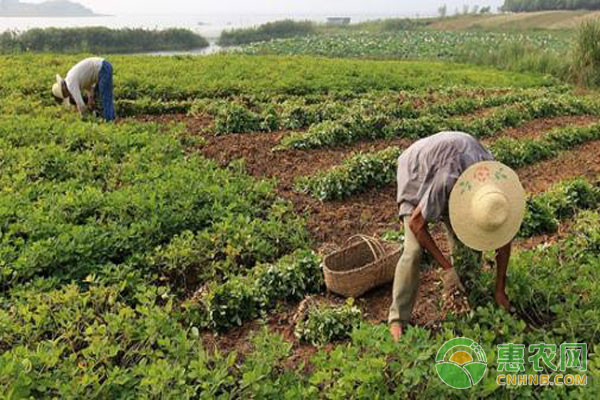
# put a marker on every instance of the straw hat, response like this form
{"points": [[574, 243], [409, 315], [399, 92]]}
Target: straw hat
{"points": [[57, 89], [487, 205]]}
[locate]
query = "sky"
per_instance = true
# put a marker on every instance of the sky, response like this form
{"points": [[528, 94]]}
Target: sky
{"points": [[254, 7]]}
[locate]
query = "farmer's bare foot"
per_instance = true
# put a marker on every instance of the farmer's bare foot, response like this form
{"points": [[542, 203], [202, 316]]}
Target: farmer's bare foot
{"points": [[503, 302], [396, 331]]}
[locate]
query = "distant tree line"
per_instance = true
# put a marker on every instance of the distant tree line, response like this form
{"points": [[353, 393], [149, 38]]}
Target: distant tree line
{"points": [[538, 5], [99, 40], [272, 30]]}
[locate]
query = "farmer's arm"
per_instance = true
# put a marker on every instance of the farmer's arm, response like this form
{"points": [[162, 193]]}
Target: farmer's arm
{"points": [[418, 225], [75, 92], [502, 258]]}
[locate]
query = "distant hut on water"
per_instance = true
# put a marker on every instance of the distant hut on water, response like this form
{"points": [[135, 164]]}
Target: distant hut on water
{"points": [[338, 20]]}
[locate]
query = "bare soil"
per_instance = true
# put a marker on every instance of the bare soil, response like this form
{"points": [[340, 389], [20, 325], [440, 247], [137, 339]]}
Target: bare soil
{"points": [[285, 165], [584, 161], [535, 128]]}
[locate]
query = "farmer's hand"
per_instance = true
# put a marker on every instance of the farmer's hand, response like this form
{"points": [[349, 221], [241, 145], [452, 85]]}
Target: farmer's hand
{"points": [[451, 281]]}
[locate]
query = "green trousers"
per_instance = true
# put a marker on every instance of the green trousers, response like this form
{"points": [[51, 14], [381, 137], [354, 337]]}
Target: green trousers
{"points": [[406, 278]]}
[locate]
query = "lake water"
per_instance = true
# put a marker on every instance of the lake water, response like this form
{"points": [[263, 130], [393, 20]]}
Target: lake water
{"points": [[209, 26]]}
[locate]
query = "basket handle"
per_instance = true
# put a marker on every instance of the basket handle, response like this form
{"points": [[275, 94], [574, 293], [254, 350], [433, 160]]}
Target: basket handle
{"points": [[374, 244]]}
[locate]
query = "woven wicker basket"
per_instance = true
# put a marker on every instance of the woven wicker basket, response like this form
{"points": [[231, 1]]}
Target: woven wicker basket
{"points": [[361, 266]]}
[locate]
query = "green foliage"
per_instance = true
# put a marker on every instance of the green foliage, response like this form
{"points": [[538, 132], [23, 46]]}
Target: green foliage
{"points": [[401, 24], [562, 201], [263, 374], [271, 30], [232, 246], [377, 123], [181, 78], [533, 51], [518, 153], [355, 175], [100, 40], [91, 341], [521, 56], [236, 118], [245, 297], [80, 195], [586, 54], [323, 323], [149, 106], [407, 44], [104, 229]]}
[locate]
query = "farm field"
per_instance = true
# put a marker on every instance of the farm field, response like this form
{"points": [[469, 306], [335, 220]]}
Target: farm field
{"points": [[170, 255], [411, 44]]}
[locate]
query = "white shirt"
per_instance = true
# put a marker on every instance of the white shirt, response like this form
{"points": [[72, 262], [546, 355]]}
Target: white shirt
{"points": [[83, 76]]}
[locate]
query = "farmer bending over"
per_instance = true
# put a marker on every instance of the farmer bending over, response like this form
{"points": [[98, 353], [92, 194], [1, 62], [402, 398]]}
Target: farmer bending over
{"points": [[451, 177], [95, 77]]}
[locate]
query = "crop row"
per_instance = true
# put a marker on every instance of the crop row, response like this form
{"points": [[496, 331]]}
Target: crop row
{"points": [[245, 297], [380, 126], [254, 113], [367, 115], [221, 76], [562, 201], [374, 170]]}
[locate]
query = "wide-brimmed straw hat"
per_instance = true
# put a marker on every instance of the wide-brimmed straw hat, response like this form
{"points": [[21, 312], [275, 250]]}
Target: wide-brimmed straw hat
{"points": [[487, 205], [57, 88]]}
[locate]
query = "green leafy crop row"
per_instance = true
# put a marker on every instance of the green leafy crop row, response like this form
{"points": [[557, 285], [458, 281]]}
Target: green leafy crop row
{"points": [[323, 323], [364, 171], [219, 76], [358, 126], [245, 297], [256, 113], [365, 114], [546, 210]]}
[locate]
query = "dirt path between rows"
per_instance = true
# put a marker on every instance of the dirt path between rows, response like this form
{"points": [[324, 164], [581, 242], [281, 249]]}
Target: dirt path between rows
{"points": [[583, 161], [286, 166], [537, 127]]}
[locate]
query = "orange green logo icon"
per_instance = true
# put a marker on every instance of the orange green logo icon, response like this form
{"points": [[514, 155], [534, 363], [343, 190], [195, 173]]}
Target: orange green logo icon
{"points": [[461, 363]]}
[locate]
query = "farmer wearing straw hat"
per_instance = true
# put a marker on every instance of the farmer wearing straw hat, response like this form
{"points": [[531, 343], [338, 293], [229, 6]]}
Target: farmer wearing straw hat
{"points": [[94, 76], [451, 177]]}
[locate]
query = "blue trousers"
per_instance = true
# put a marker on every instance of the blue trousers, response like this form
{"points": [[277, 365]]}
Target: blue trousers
{"points": [[104, 91]]}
